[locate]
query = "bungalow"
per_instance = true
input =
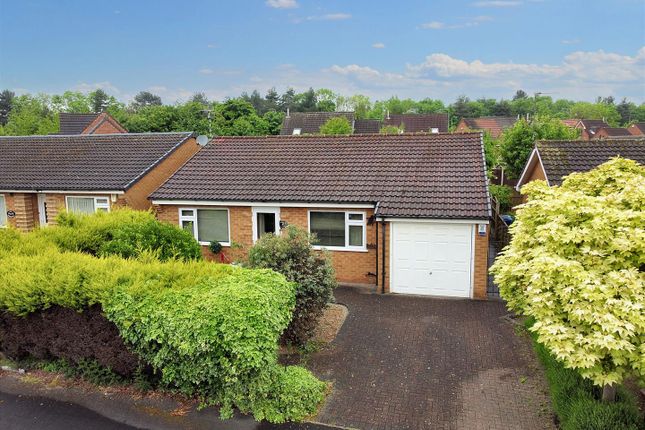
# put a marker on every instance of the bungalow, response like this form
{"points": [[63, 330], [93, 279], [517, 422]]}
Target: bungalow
{"points": [[418, 123], [494, 125], [609, 132], [310, 122], [405, 213], [552, 160], [588, 127], [88, 123], [85, 173], [637, 129]]}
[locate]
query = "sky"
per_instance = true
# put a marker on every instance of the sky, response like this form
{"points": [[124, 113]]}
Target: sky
{"points": [[576, 49]]}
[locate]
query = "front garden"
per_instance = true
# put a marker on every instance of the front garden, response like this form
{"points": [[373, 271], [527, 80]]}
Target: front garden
{"points": [[122, 295]]}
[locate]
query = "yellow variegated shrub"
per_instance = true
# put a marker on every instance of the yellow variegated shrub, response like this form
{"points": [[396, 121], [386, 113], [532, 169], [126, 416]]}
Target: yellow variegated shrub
{"points": [[576, 263]]}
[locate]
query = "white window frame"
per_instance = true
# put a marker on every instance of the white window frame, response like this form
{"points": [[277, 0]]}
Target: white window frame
{"points": [[264, 210], [296, 132], [97, 205], [193, 218], [348, 222], [3, 208]]}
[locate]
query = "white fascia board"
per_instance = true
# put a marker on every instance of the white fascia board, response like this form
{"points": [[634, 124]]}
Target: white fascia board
{"points": [[62, 192], [433, 220], [347, 205]]}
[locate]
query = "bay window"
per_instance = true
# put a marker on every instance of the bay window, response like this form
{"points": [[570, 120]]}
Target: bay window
{"points": [[339, 230]]}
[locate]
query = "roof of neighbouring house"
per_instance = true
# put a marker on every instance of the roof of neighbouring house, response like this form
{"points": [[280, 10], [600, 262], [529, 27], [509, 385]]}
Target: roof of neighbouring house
{"points": [[592, 123], [88, 162], [493, 124], [367, 126], [570, 122], [562, 157], [405, 175], [85, 123], [310, 122], [637, 128], [613, 131], [418, 123]]}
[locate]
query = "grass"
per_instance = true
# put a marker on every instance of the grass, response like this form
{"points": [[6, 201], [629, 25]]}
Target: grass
{"points": [[577, 403]]}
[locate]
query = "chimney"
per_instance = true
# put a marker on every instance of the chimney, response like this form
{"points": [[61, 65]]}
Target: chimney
{"points": [[288, 116], [387, 113]]}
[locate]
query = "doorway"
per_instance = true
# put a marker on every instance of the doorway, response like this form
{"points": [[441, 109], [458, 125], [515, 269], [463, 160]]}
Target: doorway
{"points": [[265, 221]]}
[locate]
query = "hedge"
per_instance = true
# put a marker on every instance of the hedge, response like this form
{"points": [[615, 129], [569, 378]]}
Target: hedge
{"points": [[210, 330], [576, 401]]}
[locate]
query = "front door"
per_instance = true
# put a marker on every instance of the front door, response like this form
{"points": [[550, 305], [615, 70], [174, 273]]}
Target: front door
{"points": [[42, 209], [265, 220]]}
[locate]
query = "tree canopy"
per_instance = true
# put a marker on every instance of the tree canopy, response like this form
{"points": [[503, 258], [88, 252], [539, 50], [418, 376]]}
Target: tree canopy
{"points": [[336, 125], [575, 264]]}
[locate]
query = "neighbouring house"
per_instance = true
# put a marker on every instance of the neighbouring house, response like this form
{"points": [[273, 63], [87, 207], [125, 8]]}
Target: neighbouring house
{"points": [[297, 123], [588, 127], [367, 126], [494, 125], [86, 173], [88, 123], [552, 160], [609, 132], [418, 123], [637, 129], [571, 123], [407, 213]]}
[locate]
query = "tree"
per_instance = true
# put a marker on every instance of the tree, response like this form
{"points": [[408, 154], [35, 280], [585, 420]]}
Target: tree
{"points": [[200, 98], [306, 102], [72, 102], [392, 129], [144, 99], [336, 125], [326, 100], [575, 265], [520, 94], [586, 110], [99, 100], [626, 111], [6, 103], [287, 100], [272, 100], [31, 115], [502, 108], [517, 142]]}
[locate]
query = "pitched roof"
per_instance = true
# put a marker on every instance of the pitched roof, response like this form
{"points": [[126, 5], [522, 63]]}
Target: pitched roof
{"points": [[570, 122], [613, 131], [562, 157], [85, 123], [637, 129], [493, 124], [367, 126], [310, 122], [406, 175], [88, 162], [419, 123], [592, 123], [75, 123]]}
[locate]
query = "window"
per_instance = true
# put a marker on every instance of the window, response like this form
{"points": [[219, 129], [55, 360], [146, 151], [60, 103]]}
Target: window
{"points": [[3, 212], [434, 130], [297, 131], [338, 229], [206, 225], [87, 205]]}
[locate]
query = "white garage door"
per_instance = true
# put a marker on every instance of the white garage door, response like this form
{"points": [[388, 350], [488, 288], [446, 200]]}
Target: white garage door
{"points": [[432, 258]]}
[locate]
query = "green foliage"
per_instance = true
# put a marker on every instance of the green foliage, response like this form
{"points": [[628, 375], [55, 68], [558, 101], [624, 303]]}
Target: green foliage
{"points": [[502, 194], [517, 142], [600, 110], [491, 151], [123, 232], [576, 401], [210, 330], [392, 129], [336, 125], [575, 264], [215, 247], [291, 254], [89, 370]]}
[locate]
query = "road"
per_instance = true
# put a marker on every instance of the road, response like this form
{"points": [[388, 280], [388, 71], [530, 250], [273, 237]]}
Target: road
{"points": [[38, 413]]}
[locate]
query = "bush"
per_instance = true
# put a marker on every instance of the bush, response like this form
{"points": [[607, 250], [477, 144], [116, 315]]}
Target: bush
{"points": [[502, 194], [336, 125], [292, 255], [576, 401], [209, 330], [123, 232]]}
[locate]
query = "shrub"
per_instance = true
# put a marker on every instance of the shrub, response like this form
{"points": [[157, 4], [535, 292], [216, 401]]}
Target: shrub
{"points": [[123, 232], [209, 330], [292, 255], [502, 194], [336, 125]]}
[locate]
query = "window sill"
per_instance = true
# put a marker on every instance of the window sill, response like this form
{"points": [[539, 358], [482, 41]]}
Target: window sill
{"points": [[221, 243], [339, 248]]}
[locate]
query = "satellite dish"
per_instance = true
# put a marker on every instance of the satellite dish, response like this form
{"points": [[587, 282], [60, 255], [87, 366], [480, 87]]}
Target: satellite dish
{"points": [[202, 140]]}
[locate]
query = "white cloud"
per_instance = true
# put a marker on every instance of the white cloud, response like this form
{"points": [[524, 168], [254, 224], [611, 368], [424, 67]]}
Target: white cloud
{"points": [[330, 17], [282, 4], [106, 86], [497, 3], [433, 25], [467, 22], [378, 45], [570, 41]]}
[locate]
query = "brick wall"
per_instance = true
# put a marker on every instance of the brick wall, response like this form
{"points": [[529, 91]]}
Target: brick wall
{"points": [[10, 206], [106, 127], [136, 196], [24, 205], [480, 272]]}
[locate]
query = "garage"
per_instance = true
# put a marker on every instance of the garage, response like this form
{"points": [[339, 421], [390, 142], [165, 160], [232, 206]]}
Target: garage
{"points": [[432, 258]]}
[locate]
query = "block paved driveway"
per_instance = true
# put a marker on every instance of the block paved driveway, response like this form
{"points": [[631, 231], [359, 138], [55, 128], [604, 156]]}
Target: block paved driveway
{"points": [[403, 362]]}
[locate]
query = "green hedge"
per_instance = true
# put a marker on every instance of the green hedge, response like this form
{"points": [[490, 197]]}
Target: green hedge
{"points": [[576, 401], [123, 232], [211, 330]]}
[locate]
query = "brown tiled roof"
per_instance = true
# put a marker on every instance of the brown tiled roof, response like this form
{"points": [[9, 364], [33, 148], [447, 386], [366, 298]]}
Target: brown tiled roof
{"points": [[406, 175], [310, 122], [102, 118], [419, 123], [562, 157], [493, 124], [637, 129], [75, 123], [92, 162], [367, 126], [613, 131], [570, 122], [592, 123]]}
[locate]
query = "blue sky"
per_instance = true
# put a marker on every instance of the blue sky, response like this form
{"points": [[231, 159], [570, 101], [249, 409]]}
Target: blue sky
{"points": [[440, 49]]}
